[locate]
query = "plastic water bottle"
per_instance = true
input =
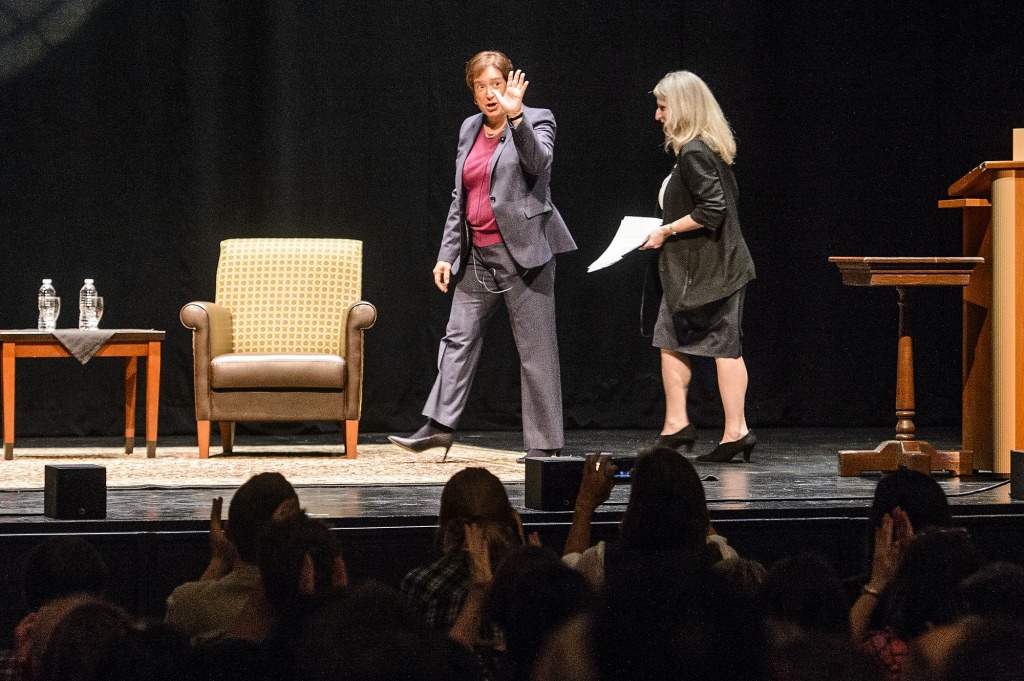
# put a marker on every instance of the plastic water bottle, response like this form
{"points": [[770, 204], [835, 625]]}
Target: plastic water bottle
{"points": [[87, 317], [49, 306]]}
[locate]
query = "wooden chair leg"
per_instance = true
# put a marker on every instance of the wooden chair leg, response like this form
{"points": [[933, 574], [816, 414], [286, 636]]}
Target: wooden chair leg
{"points": [[203, 431], [351, 437], [227, 436]]}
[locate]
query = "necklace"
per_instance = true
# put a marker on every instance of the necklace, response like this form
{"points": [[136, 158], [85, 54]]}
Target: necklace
{"points": [[492, 135]]}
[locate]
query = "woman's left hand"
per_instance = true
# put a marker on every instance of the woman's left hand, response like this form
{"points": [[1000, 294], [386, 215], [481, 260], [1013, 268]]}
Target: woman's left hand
{"points": [[511, 102]]}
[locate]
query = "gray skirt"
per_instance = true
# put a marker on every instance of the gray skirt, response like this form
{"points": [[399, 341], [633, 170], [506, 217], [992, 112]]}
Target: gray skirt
{"points": [[711, 330]]}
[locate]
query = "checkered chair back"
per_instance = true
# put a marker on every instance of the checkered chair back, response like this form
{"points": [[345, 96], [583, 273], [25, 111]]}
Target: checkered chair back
{"points": [[289, 295]]}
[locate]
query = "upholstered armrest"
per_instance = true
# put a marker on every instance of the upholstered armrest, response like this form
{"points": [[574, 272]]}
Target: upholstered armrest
{"points": [[361, 316], [211, 336], [212, 326]]}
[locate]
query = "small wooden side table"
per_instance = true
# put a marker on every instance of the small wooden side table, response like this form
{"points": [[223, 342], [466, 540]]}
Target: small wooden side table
{"points": [[904, 274], [130, 344]]}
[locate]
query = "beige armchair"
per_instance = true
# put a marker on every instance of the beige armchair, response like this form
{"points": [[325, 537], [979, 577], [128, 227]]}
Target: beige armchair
{"points": [[284, 339]]}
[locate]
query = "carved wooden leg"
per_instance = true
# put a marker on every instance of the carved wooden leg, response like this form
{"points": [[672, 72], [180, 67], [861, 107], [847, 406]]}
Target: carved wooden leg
{"points": [[351, 437], [203, 431], [904, 371]]}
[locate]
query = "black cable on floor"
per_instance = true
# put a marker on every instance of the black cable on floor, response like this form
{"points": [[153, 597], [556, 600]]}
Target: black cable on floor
{"points": [[870, 498]]}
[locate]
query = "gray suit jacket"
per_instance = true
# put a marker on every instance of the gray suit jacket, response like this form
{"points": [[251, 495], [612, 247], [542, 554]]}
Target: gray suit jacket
{"points": [[529, 223]]}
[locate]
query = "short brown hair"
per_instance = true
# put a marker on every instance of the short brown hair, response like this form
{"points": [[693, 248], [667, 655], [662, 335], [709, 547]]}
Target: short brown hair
{"points": [[481, 60]]}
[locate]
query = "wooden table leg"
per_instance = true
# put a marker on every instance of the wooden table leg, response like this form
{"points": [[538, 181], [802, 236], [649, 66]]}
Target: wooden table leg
{"points": [[131, 377], [905, 451], [8, 380], [904, 371], [152, 396]]}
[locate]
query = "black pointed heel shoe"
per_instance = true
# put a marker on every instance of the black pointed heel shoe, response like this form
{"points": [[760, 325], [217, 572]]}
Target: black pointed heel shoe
{"points": [[416, 444], [726, 450], [684, 438]]}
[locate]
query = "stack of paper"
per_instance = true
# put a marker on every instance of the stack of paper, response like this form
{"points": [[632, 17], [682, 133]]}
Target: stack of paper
{"points": [[631, 235]]}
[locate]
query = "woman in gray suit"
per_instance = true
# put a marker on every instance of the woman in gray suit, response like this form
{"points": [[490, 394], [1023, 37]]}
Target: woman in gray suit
{"points": [[499, 244], [703, 266]]}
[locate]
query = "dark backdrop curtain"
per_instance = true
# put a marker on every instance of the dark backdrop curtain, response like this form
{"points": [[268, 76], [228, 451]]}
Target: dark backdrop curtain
{"points": [[137, 139]]}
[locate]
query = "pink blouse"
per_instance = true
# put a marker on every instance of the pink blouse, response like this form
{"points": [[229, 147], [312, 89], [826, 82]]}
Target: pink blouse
{"points": [[476, 179]]}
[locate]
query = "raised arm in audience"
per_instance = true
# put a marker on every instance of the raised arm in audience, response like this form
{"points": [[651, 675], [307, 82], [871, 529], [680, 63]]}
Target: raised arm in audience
{"points": [[595, 488], [891, 539]]}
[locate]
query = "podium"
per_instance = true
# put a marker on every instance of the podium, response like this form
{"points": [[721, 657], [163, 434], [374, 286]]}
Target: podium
{"points": [[991, 197], [905, 450]]}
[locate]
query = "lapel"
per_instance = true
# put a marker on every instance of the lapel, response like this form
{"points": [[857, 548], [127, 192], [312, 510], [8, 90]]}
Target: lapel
{"points": [[503, 143]]}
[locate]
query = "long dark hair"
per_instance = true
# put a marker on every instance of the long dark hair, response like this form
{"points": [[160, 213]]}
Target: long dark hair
{"points": [[667, 508], [475, 495]]}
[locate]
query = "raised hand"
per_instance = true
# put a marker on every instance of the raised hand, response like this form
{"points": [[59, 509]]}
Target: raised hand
{"points": [[511, 101], [597, 483], [891, 540], [222, 551], [479, 555]]}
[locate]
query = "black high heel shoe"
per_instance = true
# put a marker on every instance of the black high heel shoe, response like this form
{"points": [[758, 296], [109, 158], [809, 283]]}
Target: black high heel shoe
{"points": [[726, 450], [426, 438], [685, 437]]}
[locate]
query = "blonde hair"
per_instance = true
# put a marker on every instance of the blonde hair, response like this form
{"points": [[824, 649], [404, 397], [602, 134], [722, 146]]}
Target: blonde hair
{"points": [[691, 111]]}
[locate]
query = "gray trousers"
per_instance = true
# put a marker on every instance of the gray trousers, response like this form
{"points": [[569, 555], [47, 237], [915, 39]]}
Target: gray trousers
{"points": [[490, 277]]}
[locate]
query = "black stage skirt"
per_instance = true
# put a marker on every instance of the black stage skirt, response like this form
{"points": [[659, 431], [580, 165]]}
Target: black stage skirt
{"points": [[711, 330]]}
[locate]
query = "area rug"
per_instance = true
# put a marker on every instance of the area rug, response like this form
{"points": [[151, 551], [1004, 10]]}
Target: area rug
{"points": [[301, 464]]}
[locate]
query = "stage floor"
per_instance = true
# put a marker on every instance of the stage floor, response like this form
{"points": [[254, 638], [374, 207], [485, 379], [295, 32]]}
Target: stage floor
{"points": [[793, 473]]}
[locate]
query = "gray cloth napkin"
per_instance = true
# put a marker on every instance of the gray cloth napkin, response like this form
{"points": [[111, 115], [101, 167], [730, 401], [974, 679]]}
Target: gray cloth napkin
{"points": [[83, 344]]}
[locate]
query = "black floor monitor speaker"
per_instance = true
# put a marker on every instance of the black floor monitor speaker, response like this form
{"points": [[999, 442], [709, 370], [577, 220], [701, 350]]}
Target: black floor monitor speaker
{"points": [[75, 492], [1016, 474], [553, 483]]}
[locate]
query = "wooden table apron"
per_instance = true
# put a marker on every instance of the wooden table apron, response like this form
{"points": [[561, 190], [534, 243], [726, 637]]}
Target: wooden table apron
{"points": [[128, 344]]}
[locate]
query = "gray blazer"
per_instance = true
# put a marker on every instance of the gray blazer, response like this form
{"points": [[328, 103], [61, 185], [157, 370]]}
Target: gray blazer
{"points": [[529, 223]]}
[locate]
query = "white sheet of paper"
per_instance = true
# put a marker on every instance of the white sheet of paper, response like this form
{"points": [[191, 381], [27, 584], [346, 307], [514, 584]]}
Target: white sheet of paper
{"points": [[632, 233]]}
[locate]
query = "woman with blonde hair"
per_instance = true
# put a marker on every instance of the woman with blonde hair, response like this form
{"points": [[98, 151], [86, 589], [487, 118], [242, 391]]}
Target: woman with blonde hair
{"points": [[703, 266]]}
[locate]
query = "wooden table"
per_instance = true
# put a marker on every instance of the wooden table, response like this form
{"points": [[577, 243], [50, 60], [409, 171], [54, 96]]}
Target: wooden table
{"points": [[130, 344], [905, 273]]}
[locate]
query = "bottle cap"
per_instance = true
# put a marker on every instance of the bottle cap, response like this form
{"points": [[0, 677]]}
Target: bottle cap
{"points": [[47, 281], [88, 281]]}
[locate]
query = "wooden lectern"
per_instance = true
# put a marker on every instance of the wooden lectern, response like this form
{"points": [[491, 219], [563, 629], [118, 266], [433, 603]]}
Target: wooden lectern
{"points": [[992, 199], [905, 450]]}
